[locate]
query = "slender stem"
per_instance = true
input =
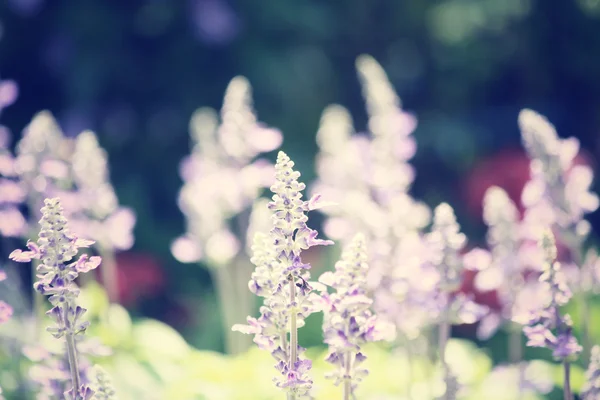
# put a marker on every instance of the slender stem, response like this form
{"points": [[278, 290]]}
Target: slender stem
{"points": [[347, 381], [409, 369], [227, 299], [515, 347], [108, 272], [37, 302], [293, 331], [567, 384], [443, 335], [585, 327], [71, 351], [246, 302]]}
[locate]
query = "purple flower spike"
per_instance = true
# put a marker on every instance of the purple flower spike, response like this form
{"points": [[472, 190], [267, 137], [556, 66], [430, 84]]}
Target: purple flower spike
{"points": [[591, 388], [56, 248], [282, 279], [547, 327], [349, 322]]}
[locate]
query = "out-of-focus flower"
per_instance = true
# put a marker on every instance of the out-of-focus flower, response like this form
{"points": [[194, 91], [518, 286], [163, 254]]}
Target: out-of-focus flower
{"points": [[56, 248], [96, 212], [501, 269], [508, 169], [6, 311], [103, 385], [12, 193], [282, 278], [348, 321], [222, 177], [139, 275], [369, 176], [591, 387], [558, 193], [215, 21], [9, 91], [42, 161]]}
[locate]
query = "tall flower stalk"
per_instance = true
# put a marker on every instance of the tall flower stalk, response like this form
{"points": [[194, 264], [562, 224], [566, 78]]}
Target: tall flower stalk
{"points": [[42, 166], [283, 280], [348, 321], [96, 213], [548, 327], [223, 176], [445, 243], [558, 195], [501, 268], [57, 272]]}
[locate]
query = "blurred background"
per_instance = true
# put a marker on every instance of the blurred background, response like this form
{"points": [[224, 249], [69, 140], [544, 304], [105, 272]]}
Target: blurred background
{"points": [[134, 72]]}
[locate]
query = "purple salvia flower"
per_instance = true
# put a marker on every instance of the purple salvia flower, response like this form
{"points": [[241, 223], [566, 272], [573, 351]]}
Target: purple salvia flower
{"points": [[391, 127], [502, 268], [95, 212], [56, 248], [6, 311], [558, 193], [103, 386], [546, 327], [445, 243], [223, 176], [42, 161], [591, 387], [99, 215], [369, 177], [283, 280], [348, 321], [12, 193]]}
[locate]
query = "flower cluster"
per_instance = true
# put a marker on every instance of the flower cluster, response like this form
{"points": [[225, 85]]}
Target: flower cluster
{"points": [[222, 176], [42, 160], [283, 280], [103, 385], [12, 195], [501, 268], [369, 176], [56, 248], [6, 311], [591, 388], [348, 321], [445, 243], [96, 212], [558, 193], [547, 327]]}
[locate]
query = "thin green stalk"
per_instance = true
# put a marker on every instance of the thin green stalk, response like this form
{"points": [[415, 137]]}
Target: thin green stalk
{"points": [[293, 331], [443, 336], [109, 275], [71, 352], [515, 346], [227, 299], [568, 395]]}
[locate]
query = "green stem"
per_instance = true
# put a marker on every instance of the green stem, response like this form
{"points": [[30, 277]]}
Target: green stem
{"points": [[227, 299], [515, 347], [293, 331], [71, 352], [108, 273], [568, 395]]}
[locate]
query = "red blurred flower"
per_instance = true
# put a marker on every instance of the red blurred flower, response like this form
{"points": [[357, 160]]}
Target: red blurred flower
{"points": [[508, 169], [139, 275]]}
